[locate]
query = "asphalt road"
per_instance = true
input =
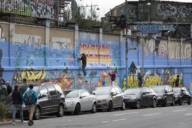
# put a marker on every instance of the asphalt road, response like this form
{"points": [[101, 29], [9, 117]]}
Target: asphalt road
{"points": [[162, 117]]}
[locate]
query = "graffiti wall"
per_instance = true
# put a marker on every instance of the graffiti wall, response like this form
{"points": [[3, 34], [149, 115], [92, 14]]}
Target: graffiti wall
{"points": [[34, 8], [174, 10], [29, 57]]}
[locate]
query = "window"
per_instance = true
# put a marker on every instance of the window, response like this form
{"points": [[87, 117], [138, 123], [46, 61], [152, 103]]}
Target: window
{"points": [[52, 90], [118, 90], [43, 92], [58, 89], [84, 93]]}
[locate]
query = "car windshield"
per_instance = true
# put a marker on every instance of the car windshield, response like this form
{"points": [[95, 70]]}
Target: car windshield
{"points": [[159, 89], [132, 91], [73, 94], [176, 90], [103, 91]]}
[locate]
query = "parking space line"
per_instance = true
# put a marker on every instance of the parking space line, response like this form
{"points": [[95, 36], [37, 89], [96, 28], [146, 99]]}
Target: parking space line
{"points": [[122, 114], [119, 120], [188, 114], [152, 114], [180, 110], [105, 122]]}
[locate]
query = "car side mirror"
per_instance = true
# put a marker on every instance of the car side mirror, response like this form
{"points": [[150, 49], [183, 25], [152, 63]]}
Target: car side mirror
{"points": [[144, 93], [81, 97], [112, 94], [93, 93]]}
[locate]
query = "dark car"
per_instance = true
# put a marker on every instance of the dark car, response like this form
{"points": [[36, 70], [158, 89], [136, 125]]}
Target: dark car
{"points": [[50, 100], [108, 98], [182, 96], [165, 95], [140, 97]]}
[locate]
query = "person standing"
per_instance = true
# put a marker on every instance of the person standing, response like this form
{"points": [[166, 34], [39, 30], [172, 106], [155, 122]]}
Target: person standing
{"points": [[17, 103], [83, 63], [30, 100], [112, 77], [177, 81]]}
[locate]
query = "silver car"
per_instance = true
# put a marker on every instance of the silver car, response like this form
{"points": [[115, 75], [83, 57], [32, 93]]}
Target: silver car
{"points": [[109, 98], [78, 101]]}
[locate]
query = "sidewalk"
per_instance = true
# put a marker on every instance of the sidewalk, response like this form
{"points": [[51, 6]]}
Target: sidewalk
{"points": [[5, 122], [17, 124]]}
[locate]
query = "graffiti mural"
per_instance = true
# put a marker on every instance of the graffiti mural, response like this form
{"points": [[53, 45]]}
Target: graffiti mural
{"points": [[30, 75], [35, 8], [28, 39], [97, 54], [172, 10], [61, 43], [172, 49]]}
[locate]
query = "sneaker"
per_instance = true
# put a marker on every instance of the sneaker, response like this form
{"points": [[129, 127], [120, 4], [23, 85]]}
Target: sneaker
{"points": [[30, 123], [13, 123]]}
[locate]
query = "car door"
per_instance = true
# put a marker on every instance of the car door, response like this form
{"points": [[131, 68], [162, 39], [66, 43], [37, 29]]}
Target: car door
{"points": [[145, 97], [43, 99], [84, 100], [169, 94], [54, 98], [116, 97]]}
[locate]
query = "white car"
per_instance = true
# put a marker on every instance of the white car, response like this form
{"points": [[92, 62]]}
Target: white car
{"points": [[78, 101]]}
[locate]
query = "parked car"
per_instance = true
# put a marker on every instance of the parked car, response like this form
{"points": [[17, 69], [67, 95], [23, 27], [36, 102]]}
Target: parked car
{"points": [[80, 100], [182, 95], [109, 98], [165, 95], [140, 97], [50, 100]]}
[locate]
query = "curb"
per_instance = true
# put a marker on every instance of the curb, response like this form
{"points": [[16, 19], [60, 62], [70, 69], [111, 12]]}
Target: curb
{"points": [[5, 123]]}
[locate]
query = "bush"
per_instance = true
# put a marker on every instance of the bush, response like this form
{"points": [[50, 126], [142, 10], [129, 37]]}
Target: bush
{"points": [[3, 111]]}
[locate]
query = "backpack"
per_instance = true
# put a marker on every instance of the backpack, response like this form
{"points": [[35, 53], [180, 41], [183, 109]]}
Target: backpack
{"points": [[30, 98]]}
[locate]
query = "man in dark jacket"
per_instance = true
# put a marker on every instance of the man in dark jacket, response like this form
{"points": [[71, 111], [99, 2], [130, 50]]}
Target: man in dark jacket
{"points": [[17, 103], [83, 63]]}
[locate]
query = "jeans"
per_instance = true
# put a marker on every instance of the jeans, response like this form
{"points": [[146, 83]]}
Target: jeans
{"points": [[15, 108], [83, 69]]}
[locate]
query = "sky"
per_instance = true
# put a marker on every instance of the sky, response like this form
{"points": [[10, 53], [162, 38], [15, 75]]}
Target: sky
{"points": [[106, 5]]}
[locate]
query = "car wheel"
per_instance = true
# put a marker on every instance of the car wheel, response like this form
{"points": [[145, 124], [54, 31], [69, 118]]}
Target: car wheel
{"points": [[110, 106], [61, 111], [37, 113], [173, 102], [154, 104], [94, 109], [189, 102], [77, 109], [180, 102], [123, 106], [165, 103], [138, 104]]}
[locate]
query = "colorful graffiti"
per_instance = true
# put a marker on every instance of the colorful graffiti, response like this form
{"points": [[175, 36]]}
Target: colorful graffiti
{"points": [[26, 58], [97, 54], [30, 75]]}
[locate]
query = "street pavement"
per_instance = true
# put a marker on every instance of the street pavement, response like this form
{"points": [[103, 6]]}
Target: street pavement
{"points": [[161, 117]]}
